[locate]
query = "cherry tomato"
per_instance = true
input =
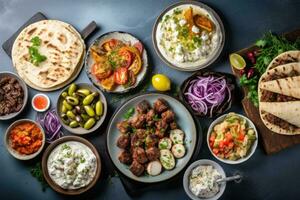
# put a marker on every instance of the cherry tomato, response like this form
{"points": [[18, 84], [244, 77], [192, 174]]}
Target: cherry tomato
{"points": [[121, 75], [139, 46], [126, 56]]}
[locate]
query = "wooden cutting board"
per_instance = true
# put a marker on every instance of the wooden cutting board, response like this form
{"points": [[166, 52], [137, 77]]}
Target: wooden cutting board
{"points": [[271, 141]]}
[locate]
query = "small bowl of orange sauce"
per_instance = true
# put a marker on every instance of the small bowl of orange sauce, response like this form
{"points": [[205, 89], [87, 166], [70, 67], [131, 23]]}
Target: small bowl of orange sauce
{"points": [[40, 102]]}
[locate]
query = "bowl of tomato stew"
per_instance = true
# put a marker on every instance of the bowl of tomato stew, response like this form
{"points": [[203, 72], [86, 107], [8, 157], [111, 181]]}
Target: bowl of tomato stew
{"points": [[24, 139]]}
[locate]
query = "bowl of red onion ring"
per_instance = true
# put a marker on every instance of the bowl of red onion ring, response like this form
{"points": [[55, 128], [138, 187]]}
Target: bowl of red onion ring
{"points": [[208, 93]]}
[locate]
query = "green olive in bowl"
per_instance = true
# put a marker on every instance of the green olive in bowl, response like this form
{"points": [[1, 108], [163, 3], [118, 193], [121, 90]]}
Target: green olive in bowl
{"points": [[81, 108]]}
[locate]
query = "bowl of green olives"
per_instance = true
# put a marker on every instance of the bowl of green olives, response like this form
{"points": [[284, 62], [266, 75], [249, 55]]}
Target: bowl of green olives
{"points": [[81, 108]]}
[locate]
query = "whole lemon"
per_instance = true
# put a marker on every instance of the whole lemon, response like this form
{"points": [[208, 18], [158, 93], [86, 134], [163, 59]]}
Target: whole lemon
{"points": [[161, 82]]}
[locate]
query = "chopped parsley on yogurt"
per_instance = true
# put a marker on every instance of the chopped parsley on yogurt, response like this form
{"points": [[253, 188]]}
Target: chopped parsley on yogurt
{"points": [[72, 165], [183, 37]]}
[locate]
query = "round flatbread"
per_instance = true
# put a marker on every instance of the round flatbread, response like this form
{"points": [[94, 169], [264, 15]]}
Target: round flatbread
{"points": [[60, 43], [285, 58]]}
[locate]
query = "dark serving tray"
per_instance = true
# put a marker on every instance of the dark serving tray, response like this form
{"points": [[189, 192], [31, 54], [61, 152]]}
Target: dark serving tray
{"points": [[8, 44]]}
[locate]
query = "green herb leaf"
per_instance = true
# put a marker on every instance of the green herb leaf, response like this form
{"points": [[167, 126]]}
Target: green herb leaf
{"points": [[129, 113], [261, 43], [35, 57], [37, 172], [36, 41]]}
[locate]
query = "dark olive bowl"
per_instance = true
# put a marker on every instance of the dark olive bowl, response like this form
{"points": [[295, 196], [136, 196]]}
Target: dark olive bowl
{"points": [[230, 79], [79, 130]]}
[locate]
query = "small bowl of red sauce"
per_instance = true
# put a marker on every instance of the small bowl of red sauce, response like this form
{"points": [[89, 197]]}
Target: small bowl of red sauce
{"points": [[40, 102]]}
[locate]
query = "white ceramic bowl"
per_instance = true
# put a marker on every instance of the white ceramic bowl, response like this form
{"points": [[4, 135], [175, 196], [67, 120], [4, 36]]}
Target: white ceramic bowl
{"points": [[13, 152], [41, 110], [189, 171], [253, 147]]}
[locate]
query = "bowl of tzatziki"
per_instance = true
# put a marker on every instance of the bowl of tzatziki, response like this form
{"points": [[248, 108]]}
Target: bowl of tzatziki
{"points": [[188, 36], [71, 165], [200, 180]]}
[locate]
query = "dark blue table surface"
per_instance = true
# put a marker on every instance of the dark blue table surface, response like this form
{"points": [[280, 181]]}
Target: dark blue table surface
{"points": [[265, 177]]}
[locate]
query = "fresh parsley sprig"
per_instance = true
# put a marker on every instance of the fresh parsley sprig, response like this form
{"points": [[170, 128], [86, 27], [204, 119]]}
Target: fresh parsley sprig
{"points": [[35, 57]]}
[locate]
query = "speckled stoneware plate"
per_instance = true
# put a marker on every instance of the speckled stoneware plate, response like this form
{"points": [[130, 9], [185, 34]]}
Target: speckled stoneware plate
{"points": [[127, 38], [184, 120], [25, 90], [253, 147], [189, 171], [79, 130], [52, 147], [190, 66]]}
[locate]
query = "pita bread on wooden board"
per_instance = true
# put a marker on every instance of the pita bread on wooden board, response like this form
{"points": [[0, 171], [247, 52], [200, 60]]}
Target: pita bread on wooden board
{"points": [[289, 86], [61, 44], [288, 111], [284, 58]]}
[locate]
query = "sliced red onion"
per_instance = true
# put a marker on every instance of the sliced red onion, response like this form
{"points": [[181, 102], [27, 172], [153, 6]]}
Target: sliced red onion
{"points": [[51, 125], [204, 94]]}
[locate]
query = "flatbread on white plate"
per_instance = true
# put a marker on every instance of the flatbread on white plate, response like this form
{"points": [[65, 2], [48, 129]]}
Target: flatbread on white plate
{"points": [[60, 43]]}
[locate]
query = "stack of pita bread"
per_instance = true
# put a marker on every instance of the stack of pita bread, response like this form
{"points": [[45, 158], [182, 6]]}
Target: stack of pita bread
{"points": [[63, 47], [279, 94]]}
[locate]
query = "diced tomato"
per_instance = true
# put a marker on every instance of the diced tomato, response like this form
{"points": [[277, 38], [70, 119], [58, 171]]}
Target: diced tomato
{"points": [[226, 142], [216, 151], [221, 144], [139, 46], [211, 144], [228, 136], [230, 145], [126, 56], [121, 75], [241, 136], [212, 138]]}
